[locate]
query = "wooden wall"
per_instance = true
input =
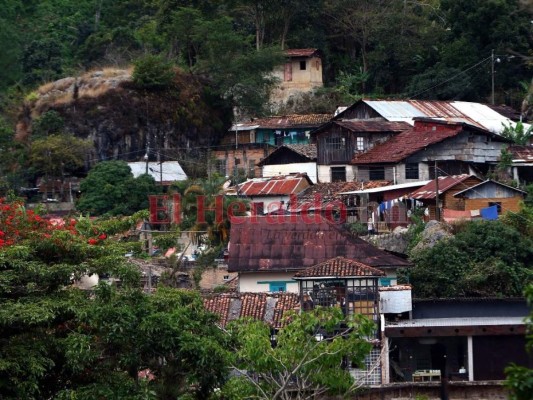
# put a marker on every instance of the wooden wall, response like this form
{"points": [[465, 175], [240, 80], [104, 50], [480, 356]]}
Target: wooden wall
{"points": [[508, 204]]}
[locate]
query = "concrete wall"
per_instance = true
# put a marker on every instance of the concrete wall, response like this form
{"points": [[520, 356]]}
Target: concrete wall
{"points": [[286, 169], [324, 173], [248, 281]]}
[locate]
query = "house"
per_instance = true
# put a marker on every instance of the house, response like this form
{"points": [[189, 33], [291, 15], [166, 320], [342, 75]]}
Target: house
{"points": [[339, 140], [521, 163], [247, 143], [448, 187], [490, 193], [301, 73], [470, 339], [452, 148], [270, 194], [164, 173], [290, 159], [483, 116], [267, 251]]}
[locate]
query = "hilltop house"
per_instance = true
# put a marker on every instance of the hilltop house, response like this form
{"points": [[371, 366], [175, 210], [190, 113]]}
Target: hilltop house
{"points": [[301, 73]]}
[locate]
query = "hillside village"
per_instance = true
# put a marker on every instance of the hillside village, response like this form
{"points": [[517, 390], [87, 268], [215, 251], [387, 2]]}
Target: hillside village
{"points": [[150, 243]]}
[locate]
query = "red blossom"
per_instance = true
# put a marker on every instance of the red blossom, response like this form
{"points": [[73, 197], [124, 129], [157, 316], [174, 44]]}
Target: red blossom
{"points": [[92, 241], [102, 236]]}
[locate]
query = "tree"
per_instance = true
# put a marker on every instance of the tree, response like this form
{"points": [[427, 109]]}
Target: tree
{"points": [[57, 341], [111, 189], [152, 72], [517, 133], [520, 379], [298, 366], [486, 258]]}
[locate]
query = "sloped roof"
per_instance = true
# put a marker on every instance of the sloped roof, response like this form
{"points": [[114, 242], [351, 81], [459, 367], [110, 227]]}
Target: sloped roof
{"points": [[489, 182], [330, 191], [275, 186], [339, 267], [301, 52], [445, 182], [301, 121], [270, 308], [406, 144], [521, 153], [477, 114], [294, 242], [305, 150], [366, 125]]}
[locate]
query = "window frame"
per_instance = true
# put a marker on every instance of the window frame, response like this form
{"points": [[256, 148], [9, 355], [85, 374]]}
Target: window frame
{"points": [[410, 171], [337, 172], [372, 171], [303, 65]]}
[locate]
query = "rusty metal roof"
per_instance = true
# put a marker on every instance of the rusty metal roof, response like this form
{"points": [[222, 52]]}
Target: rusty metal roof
{"points": [[476, 114], [301, 52], [339, 267], [270, 308], [521, 154], [275, 186], [445, 182], [407, 143], [294, 242]]}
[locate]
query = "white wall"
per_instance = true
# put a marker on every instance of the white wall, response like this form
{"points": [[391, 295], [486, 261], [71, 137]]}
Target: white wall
{"points": [[286, 169], [324, 172], [248, 281]]}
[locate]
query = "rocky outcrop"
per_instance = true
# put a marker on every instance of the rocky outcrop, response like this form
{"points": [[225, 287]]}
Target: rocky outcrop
{"points": [[433, 233], [122, 120]]}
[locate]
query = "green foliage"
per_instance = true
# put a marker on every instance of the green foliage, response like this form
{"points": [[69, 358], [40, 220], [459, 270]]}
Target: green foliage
{"points": [[517, 133], [487, 258], [48, 123], [519, 378], [152, 72], [111, 189], [299, 363]]}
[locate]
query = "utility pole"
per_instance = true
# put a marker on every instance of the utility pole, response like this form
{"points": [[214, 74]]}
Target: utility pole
{"points": [[492, 73], [437, 210], [146, 159]]}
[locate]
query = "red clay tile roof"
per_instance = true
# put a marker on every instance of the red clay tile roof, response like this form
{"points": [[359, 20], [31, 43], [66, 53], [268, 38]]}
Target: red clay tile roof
{"points": [[339, 267], [294, 242], [407, 143], [445, 182], [270, 308], [300, 52], [275, 186], [329, 191], [522, 153]]}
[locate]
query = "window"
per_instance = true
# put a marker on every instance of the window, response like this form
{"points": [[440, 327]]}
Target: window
{"points": [[278, 286], [360, 143], [385, 281], [220, 167], [338, 174], [303, 65], [226, 277], [411, 171], [376, 173], [335, 143], [496, 203]]}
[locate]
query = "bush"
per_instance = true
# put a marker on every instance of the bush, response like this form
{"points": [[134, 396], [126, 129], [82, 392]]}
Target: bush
{"points": [[153, 72]]}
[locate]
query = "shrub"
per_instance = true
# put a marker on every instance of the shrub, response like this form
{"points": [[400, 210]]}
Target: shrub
{"points": [[152, 72]]}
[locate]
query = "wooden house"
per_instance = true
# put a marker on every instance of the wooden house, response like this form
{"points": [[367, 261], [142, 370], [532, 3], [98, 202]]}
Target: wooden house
{"points": [[490, 193], [448, 187], [453, 148], [339, 141], [290, 159]]}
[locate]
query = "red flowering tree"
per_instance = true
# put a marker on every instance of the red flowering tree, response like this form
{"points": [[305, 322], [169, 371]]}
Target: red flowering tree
{"points": [[57, 341]]}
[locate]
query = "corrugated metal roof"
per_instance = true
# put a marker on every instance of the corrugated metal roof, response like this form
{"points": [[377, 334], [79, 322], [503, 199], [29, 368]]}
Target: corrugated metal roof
{"points": [[521, 153], [487, 182], [284, 122], [474, 321], [360, 125], [276, 186], [428, 191], [389, 187]]}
